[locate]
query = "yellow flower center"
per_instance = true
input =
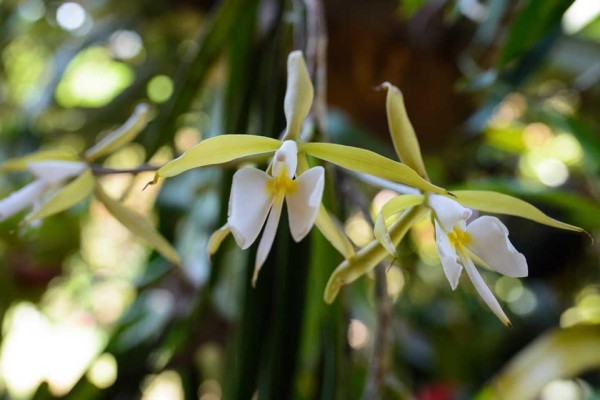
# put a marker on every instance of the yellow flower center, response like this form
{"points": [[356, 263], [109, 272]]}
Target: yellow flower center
{"points": [[459, 238], [282, 184]]}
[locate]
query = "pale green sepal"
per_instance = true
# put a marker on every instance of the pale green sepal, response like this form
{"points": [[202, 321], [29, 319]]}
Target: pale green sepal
{"points": [[394, 206], [498, 203], [21, 163], [218, 150], [333, 233], [298, 96], [369, 256], [217, 238], [138, 225], [402, 132], [368, 162], [383, 236], [65, 197], [122, 135]]}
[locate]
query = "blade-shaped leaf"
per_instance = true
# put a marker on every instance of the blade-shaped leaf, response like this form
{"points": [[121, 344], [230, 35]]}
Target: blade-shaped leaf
{"points": [[122, 135], [368, 162], [21, 163], [394, 206], [66, 197], [218, 150], [299, 95], [402, 132], [369, 256], [499, 203], [137, 224]]}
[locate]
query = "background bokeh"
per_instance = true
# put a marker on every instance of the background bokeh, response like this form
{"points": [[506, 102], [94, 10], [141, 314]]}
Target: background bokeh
{"points": [[503, 95]]}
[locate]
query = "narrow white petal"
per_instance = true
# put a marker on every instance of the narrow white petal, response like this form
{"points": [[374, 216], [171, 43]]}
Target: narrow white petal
{"points": [[249, 204], [489, 241], [268, 236], [286, 158], [21, 199], [54, 171], [304, 202], [449, 212], [448, 256], [484, 291]]}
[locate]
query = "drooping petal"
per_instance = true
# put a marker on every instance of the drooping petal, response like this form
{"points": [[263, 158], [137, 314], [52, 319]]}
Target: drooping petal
{"points": [[21, 163], [489, 241], [138, 224], [249, 204], [394, 206], [268, 236], [286, 158], [21, 199], [484, 291], [449, 212], [65, 197], [53, 171], [304, 202], [448, 256], [122, 135], [298, 96], [215, 240]]}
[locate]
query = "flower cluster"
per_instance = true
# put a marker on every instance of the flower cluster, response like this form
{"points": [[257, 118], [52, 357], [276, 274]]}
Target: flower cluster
{"points": [[257, 196]]}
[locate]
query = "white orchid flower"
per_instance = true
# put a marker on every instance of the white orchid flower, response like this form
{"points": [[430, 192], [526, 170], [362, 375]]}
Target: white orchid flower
{"points": [[483, 240], [256, 194], [49, 174]]}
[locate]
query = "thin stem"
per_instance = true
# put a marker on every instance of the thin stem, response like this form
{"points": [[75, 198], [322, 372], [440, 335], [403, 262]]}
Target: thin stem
{"points": [[99, 170]]}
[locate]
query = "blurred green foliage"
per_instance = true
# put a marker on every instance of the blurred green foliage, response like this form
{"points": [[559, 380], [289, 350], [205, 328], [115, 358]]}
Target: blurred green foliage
{"points": [[89, 311]]}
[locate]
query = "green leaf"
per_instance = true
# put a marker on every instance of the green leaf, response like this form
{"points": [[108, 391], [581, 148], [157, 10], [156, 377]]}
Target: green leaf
{"points": [[402, 132], [494, 202], [21, 163], [218, 150], [298, 97], [122, 135], [535, 19], [369, 256], [66, 197], [137, 224], [370, 163], [394, 206]]}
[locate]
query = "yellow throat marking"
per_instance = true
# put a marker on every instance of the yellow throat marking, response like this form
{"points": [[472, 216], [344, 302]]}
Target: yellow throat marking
{"points": [[459, 238], [281, 184]]}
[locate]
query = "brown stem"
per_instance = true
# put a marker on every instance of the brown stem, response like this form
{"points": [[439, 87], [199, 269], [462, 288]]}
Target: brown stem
{"points": [[98, 170]]}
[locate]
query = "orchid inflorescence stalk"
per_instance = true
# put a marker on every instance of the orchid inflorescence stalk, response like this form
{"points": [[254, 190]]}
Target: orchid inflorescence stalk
{"points": [[257, 196]]}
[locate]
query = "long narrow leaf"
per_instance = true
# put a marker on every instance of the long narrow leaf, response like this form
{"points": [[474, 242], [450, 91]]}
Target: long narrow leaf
{"points": [[137, 224]]}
